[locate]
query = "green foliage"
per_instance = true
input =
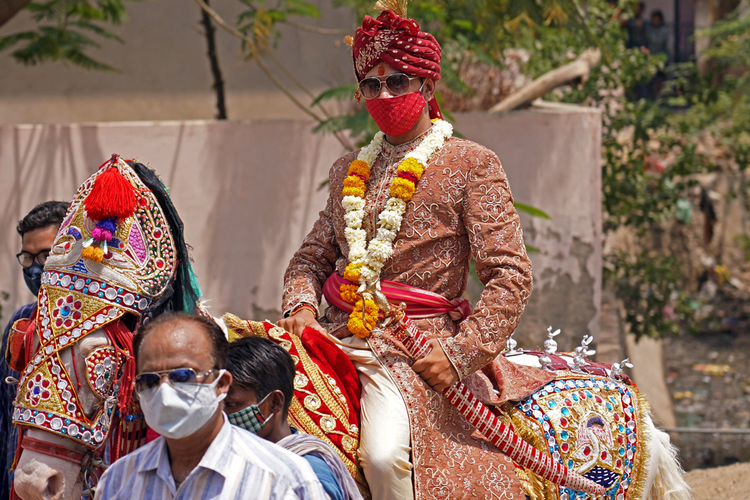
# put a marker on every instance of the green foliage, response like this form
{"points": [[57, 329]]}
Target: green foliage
{"points": [[645, 284], [718, 102], [533, 211], [489, 27], [744, 243], [342, 93], [260, 22], [358, 122], [67, 29], [640, 193]]}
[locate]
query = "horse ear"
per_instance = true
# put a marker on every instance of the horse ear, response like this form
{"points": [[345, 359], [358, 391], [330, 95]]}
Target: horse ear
{"points": [[20, 344]]}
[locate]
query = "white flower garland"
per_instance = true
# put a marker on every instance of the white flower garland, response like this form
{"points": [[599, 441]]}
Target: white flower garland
{"points": [[372, 257]]}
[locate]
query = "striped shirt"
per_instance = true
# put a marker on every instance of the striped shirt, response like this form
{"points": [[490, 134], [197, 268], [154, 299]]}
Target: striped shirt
{"points": [[237, 465]]}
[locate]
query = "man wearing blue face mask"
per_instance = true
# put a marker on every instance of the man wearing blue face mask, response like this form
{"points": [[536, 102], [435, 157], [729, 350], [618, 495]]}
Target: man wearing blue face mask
{"points": [[181, 384], [38, 231], [259, 399]]}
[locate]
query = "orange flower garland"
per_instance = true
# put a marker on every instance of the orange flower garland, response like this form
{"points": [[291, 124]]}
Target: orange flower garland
{"points": [[408, 174], [349, 293], [359, 326]]}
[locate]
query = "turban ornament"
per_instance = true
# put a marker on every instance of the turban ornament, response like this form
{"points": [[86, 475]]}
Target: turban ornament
{"points": [[396, 41]]}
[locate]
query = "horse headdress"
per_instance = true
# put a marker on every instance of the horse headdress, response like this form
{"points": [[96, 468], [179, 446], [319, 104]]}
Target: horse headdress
{"points": [[119, 258]]}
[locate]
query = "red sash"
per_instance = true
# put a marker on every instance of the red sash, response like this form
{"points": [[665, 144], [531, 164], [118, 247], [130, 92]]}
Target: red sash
{"points": [[419, 303]]}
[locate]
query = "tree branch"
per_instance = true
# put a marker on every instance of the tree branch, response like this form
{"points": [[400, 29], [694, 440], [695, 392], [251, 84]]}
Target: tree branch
{"points": [[223, 24], [218, 86], [580, 68], [257, 50], [304, 89], [319, 31], [9, 8]]}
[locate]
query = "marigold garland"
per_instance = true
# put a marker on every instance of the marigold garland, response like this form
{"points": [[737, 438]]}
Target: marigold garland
{"points": [[358, 167], [352, 273], [359, 327], [349, 293], [366, 260], [403, 188]]}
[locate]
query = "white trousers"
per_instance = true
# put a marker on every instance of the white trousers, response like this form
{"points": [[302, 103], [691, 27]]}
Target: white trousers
{"points": [[385, 440]]}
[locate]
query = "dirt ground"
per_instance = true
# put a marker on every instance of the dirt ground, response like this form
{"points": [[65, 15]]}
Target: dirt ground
{"points": [[708, 377], [731, 482]]}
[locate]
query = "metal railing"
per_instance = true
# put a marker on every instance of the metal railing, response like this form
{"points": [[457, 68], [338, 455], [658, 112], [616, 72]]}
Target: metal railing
{"points": [[702, 430]]}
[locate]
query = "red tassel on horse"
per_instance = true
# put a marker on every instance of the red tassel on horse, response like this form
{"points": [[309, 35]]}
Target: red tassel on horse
{"points": [[112, 197]]}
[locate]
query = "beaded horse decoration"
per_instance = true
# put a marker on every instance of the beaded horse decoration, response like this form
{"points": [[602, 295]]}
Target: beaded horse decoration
{"points": [[113, 257], [591, 419]]}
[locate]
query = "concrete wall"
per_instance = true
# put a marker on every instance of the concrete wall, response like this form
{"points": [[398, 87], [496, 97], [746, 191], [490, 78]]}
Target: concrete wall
{"points": [[164, 71], [247, 192]]}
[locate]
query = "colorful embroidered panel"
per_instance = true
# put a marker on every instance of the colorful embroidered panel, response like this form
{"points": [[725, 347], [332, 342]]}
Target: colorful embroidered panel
{"points": [[47, 398], [591, 425]]}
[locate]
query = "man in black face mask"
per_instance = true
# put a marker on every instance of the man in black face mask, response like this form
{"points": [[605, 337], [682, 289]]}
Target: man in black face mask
{"points": [[38, 231]]}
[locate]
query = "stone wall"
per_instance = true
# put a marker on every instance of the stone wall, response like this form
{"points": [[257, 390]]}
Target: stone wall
{"points": [[248, 193]]}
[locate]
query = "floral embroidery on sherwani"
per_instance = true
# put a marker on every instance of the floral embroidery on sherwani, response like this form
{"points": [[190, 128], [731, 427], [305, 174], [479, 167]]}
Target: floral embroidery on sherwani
{"points": [[462, 208]]}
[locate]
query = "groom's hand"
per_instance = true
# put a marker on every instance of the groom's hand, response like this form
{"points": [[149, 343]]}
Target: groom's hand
{"points": [[436, 369], [296, 323]]}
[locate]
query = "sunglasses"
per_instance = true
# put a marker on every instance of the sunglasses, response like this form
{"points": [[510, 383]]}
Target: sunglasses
{"points": [[396, 83], [26, 259], [149, 381]]}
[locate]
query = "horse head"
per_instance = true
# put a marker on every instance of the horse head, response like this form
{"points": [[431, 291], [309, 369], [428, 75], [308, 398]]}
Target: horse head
{"points": [[118, 259]]}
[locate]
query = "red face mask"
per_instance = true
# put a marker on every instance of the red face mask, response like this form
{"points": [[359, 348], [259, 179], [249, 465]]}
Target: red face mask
{"points": [[397, 115]]}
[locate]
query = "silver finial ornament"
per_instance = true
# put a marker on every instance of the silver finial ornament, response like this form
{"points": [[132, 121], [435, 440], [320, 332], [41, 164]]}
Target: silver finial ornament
{"points": [[582, 351], [511, 345], [550, 347], [616, 372]]}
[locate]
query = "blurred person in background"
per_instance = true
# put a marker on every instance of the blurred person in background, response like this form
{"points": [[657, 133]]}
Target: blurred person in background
{"points": [[38, 231], [637, 28], [657, 35], [657, 42]]}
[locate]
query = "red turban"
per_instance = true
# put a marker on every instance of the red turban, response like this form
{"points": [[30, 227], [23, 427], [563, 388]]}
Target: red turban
{"points": [[396, 41]]}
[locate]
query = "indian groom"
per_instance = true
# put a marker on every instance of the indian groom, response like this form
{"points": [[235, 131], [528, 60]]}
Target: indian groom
{"points": [[404, 216]]}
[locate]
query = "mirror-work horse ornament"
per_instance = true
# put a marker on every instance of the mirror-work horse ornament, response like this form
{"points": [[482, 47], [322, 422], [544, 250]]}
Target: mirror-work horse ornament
{"points": [[118, 258]]}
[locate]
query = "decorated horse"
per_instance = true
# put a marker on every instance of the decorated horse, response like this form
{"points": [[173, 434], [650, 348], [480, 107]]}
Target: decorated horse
{"points": [[118, 259], [592, 419]]}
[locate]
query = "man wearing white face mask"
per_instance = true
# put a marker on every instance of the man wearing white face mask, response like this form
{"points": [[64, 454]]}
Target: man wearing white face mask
{"points": [[181, 385]]}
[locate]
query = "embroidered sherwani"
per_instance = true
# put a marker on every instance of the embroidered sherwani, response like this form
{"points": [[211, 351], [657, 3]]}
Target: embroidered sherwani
{"points": [[462, 209]]}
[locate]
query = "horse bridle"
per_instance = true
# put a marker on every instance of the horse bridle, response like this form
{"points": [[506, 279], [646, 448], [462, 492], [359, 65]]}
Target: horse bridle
{"points": [[92, 466]]}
